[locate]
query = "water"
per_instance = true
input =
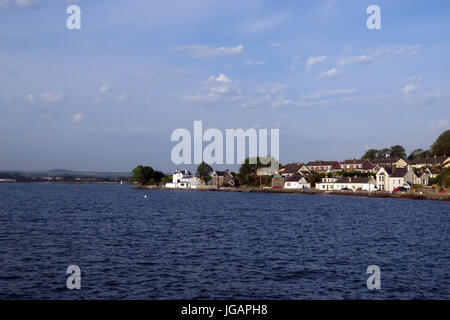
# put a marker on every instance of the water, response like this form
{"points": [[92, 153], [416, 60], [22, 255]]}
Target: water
{"points": [[198, 245]]}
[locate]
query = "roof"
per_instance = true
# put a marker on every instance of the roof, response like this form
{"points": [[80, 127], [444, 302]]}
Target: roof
{"points": [[384, 160], [322, 163], [293, 178], [399, 173], [291, 167], [354, 161], [353, 180], [222, 173], [185, 172], [428, 160]]}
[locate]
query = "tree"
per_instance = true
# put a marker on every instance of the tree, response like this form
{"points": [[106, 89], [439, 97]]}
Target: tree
{"points": [[370, 154], [419, 153], [146, 175], [384, 153], [444, 178], [249, 168], [441, 147], [204, 171], [397, 151]]}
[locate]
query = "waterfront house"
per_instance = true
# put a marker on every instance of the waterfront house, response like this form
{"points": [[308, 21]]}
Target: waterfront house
{"points": [[356, 183], [183, 179], [326, 184], [220, 178], [389, 178], [296, 182]]}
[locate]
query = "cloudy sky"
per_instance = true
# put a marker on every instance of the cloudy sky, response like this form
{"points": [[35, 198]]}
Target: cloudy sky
{"points": [[107, 97]]}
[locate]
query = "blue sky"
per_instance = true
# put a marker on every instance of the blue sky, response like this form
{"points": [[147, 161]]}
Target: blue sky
{"points": [[107, 97]]}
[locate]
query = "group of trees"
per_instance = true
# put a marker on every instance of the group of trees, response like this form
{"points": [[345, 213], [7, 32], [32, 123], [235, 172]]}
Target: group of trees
{"points": [[441, 147], [146, 175], [396, 151]]}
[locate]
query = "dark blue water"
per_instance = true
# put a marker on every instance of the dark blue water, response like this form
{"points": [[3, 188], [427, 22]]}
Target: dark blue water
{"points": [[186, 245]]}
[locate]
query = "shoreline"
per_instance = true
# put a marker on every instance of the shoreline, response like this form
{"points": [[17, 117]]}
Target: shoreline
{"points": [[365, 194]]}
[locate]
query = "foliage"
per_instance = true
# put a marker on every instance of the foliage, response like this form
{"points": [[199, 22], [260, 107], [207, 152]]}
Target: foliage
{"points": [[370, 154], [443, 179], [441, 147], [204, 171], [247, 171], [398, 151], [146, 175], [419, 153]]}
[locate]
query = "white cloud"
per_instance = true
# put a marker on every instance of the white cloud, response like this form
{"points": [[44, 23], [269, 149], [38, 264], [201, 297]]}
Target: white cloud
{"points": [[205, 52], [330, 74], [78, 117], [313, 60], [30, 98], [216, 88], [409, 88], [122, 97], [362, 59], [19, 4], [104, 88], [326, 93], [255, 102], [49, 97], [440, 124], [414, 79], [273, 87], [254, 63], [265, 23], [396, 50]]}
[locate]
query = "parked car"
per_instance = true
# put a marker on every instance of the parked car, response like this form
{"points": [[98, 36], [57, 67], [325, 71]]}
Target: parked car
{"points": [[402, 189], [346, 189]]}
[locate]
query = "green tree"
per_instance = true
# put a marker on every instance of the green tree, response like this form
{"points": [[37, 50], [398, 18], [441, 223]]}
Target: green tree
{"points": [[383, 153], [248, 171], [146, 175], [204, 171], [398, 151], [419, 153], [441, 147], [370, 154], [444, 178]]}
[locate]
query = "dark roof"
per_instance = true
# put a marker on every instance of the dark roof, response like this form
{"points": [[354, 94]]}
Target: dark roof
{"points": [[353, 180], [293, 178], [292, 167], [186, 172], [429, 160], [399, 173], [322, 163], [384, 160], [222, 173], [354, 161]]}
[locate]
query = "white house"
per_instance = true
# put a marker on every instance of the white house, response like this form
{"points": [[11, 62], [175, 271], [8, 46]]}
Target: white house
{"points": [[296, 182], [184, 180], [326, 184], [356, 183], [390, 178]]}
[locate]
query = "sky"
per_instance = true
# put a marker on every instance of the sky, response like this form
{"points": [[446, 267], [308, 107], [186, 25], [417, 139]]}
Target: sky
{"points": [[107, 97]]}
